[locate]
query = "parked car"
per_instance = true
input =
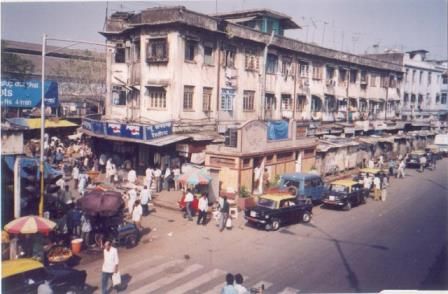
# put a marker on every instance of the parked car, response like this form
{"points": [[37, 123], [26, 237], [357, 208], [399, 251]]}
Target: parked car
{"points": [[303, 185], [25, 275], [413, 159], [275, 210], [345, 194]]}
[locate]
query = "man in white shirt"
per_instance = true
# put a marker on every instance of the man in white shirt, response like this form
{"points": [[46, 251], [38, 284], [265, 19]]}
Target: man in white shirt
{"points": [[157, 175], [202, 207], [148, 177], [188, 201], [145, 197], [176, 172], [75, 175], [132, 176], [102, 162], [240, 289], [377, 186], [132, 197], [137, 214], [110, 265]]}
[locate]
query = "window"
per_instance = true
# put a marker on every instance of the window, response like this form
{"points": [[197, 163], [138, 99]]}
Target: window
{"points": [[317, 72], [206, 99], [227, 99], [157, 97], [373, 80], [443, 100], [120, 54], [429, 78], [251, 61], [284, 156], [136, 51], [392, 81], [384, 82], [364, 78], [300, 104], [437, 99], [270, 102], [190, 50], [342, 75], [287, 68], [445, 79], [286, 102], [208, 53], [406, 98], [231, 138], [272, 64], [157, 50], [330, 73], [304, 69], [420, 79], [353, 76], [248, 100], [118, 95], [229, 57], [414, 75], [188, 98], [301, 131]]}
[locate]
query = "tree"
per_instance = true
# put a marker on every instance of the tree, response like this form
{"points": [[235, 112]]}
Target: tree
{"points": [[13, 66]]}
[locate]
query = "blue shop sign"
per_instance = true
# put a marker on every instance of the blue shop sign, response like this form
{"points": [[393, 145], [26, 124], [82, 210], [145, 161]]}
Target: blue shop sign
{"points": [[159, 130], [27, 94]]}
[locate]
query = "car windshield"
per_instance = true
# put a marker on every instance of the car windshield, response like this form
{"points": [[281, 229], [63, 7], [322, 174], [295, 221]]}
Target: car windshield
{"points": [[338, 188], [268, 203]]}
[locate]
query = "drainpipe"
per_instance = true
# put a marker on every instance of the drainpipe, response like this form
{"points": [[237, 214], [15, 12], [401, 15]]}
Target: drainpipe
{"points": [[263, 85], [346, 90], [218, 80]]}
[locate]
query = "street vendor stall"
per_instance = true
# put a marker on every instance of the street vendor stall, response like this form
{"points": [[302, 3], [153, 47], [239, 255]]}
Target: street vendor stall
{"points": [[198, 181]]}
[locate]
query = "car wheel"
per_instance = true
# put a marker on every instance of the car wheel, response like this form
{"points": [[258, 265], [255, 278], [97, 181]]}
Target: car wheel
{"points": [[268, 227], [131, 241], [306, 217], [348, 206], [275, 224], [363, 200]]}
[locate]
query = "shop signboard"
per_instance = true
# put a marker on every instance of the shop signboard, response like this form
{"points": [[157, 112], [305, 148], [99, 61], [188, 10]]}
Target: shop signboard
{"points": [[132, 131], [114, 129], [159, 130], [27, 94]]}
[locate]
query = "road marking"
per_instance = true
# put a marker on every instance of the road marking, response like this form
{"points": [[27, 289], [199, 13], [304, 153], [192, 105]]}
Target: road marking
{"points": [[148, 288], [289, 290], [155, 270], [258, 285], [197, 282], [130, 266]]}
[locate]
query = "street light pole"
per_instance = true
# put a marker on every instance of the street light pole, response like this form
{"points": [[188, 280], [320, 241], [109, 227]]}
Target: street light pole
{"points": [[42, 128]]}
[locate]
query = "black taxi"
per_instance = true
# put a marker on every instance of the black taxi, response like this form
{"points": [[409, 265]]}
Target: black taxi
{"points": [[345, 194], [275, 210]]}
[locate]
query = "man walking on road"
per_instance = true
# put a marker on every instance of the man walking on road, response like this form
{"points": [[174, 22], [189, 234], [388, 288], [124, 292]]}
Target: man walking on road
{"points": [[110, 265], [157, 176], [188, 201], [229, 288], [145, 197], [202, 206], [377, 187], [225, 208]]}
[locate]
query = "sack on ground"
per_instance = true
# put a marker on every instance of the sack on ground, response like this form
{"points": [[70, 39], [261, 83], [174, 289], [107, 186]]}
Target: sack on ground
{"points": [[229, 223], [116, 279]]}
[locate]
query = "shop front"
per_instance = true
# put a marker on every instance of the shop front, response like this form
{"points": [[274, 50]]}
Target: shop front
{"points": [[263, 151]]}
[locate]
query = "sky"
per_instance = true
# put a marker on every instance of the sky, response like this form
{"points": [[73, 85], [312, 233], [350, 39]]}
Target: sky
{"points": [[357, 26]]}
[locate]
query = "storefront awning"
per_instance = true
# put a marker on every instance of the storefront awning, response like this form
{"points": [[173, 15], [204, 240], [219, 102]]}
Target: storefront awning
{"points": [[166, 140], [34, 123]]}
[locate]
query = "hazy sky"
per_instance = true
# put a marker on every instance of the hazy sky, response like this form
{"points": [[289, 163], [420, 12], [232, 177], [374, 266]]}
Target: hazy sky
{"points": [[351, 25]]}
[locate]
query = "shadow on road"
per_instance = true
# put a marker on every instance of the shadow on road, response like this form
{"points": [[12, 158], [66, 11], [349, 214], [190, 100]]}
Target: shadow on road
{"points": [[351, 275], [437, 184]]}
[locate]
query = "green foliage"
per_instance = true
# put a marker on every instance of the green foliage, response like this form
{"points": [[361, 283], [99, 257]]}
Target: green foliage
{"points": [[244, 193], [13, 66]]}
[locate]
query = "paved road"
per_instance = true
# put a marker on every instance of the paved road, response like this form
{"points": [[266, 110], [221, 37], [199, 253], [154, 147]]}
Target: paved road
{"points": [[397, 244]]}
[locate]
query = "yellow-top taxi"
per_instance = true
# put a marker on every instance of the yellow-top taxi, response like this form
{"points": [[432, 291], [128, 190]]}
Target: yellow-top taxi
{"points": [[345, 193]]}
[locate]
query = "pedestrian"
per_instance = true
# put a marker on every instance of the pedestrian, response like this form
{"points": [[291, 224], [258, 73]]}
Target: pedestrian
{"points": [[82, 183], [240, 289], [229, 288], [391, 167], [86, 228], [75, 175], [225, 209], [176, 173], [132, 198], [189, 197], [66, 196], [132, 176], [157, 175], [265, 180], [113, 174], [167, 178], [137, 213], [102, 163], [377, 187], [61, 184], [203, 207], [371, 163], [145, 197], [148, 177], [401, 167], [110, 265], [422, 163]]}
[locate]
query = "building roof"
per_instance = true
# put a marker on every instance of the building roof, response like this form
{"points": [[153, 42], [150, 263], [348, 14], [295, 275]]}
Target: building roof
{"points": [[118, 25], [286, 20]]}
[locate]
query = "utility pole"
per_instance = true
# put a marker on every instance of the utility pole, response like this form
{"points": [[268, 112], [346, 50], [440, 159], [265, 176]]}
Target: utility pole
{"points": [[42, 127]]}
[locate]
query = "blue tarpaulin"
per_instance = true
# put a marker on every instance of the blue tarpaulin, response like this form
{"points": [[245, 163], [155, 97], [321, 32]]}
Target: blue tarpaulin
{"points": [[30, 162], [277, 130]]}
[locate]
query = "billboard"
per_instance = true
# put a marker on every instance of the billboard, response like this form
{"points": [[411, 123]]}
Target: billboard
{"points": [[27, 94]]}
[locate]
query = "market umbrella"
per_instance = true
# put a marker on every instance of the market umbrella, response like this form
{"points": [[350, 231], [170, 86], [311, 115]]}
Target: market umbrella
{"points": [[30, 224], [102, 203], [194, 179]]}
